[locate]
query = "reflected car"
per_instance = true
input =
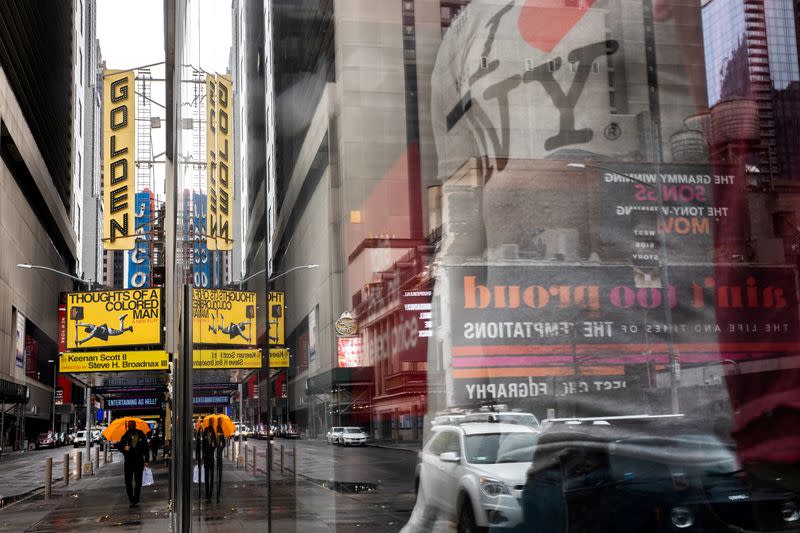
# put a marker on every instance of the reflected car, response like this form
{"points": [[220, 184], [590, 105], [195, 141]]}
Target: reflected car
{"points": [[242, 430], [352, 436], [333, 434], [473, 474], [507, 417], [291, 431], [46, 440], [658, 476]]}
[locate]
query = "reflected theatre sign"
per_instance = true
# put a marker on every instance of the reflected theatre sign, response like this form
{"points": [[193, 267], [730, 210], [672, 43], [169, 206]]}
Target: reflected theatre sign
{"points": [[79, 362], [527, 331]]}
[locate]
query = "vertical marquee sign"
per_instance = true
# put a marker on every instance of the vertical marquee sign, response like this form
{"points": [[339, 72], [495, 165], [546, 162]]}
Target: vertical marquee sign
{"points": [[119, 178], [224, 162], [219, 162], [211, 162]]}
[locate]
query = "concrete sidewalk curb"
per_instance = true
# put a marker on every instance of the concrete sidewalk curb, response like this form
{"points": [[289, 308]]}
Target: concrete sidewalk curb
{"points": [[400, 448]]}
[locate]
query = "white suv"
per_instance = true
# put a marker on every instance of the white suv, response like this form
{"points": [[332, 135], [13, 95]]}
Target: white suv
{"points": [[474, 473]]}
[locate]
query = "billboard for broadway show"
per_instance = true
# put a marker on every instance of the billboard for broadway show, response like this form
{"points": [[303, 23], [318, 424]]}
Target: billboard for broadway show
{"points": [[201, 262], [526, 331], [139, 258], [104, 319], [223, 317]]}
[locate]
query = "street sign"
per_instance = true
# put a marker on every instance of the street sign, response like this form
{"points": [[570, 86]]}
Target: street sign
{"points": [[225, 359], [108, 319], [224, 317], [277, 327], [278, 358], [78, 362]]}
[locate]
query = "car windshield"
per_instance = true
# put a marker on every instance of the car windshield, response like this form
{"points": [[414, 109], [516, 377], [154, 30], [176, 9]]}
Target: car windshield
{"points": [[493, 448], [353, 430], [525, 419]]}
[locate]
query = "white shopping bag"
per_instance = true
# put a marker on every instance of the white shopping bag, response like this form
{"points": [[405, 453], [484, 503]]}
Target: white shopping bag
{"points": [[147, 477], [199, 474]]}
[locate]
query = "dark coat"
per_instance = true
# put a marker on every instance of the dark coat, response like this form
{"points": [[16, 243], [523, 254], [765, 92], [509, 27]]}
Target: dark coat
{"points": [[209, 444], [137, 451]]}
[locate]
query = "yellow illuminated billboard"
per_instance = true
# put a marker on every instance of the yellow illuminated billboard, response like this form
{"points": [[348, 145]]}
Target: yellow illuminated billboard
{"points": [[105, 319], [224, 317], [277, 328], [76, 362], [211, 162], [278, 358], [224, 146], [119, 173], [225, 358]]}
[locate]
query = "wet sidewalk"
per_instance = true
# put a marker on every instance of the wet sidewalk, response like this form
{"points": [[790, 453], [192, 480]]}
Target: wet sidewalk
{"points": [[99, 503]]}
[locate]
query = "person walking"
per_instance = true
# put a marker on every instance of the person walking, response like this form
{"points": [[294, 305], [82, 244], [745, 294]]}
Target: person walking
{"points": [[209, 447], [133, 446], [155, 444], [198, 456], [221, 442]]}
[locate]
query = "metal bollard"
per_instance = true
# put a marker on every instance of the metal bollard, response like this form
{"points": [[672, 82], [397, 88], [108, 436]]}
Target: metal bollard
{"points": [[48, 477], [294, 462], [283, 459], [79, 465], [105, 456], [269, 454], [244, 464], [66, 469], [255, 454], [97, 457], [266, 456]]}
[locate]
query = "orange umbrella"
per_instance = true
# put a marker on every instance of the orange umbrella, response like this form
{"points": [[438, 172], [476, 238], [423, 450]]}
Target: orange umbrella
{"points": [[228, 428], [118, 427]]}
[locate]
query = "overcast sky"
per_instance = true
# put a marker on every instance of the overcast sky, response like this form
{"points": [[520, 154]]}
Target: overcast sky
{"points": [[131, 34]]}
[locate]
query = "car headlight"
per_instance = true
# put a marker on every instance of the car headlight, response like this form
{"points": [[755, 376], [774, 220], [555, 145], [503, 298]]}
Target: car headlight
{"points": [[493, 487], [681, 517], [790, 512]]}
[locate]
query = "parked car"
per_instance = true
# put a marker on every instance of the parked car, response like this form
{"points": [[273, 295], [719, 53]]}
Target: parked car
{"points": [[649, 474], [291, 431], [62, 439], [80, 439], [333, 434], [352, 436], [473, 473], [241, 429], [46, 440]]}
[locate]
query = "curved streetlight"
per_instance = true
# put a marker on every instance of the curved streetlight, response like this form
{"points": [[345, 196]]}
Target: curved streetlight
{"points": [[276, 276], [673, 358], [90, 283]]}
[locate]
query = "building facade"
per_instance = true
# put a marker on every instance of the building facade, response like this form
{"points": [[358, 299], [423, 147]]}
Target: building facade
{"points": [[40, 181]]}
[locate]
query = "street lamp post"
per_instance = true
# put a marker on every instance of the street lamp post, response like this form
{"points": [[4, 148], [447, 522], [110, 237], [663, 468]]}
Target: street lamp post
{"points": [[673, 357], [90, 283], [55, 374], [251, 276]]}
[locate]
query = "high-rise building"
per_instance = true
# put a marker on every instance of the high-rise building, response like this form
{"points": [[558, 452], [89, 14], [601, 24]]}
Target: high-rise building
{"points": [[40, 183], [751, 54]]}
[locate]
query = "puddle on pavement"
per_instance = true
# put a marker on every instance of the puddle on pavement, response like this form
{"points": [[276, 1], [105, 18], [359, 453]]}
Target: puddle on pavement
{"points": [[347, 487]]}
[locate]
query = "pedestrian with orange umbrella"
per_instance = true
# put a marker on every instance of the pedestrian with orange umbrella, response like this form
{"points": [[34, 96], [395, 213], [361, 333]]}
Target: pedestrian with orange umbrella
{"points": [[209, 448], [133, 445], [221, 441]]}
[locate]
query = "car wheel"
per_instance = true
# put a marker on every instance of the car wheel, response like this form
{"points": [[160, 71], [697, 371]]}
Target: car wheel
{"points": [[466, 520]]}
